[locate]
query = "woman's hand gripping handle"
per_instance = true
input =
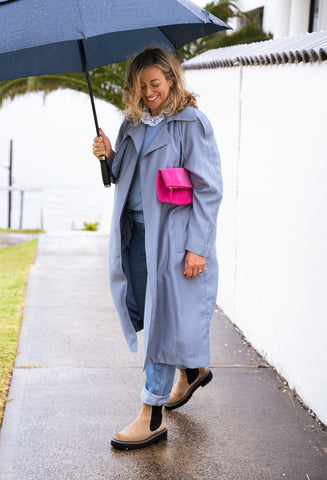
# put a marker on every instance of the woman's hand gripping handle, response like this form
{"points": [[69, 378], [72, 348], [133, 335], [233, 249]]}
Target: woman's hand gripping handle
{"points": [[102, 150]]}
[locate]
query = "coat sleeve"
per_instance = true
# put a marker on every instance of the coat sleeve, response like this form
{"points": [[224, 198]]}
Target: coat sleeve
{"points": [[201, 159]]}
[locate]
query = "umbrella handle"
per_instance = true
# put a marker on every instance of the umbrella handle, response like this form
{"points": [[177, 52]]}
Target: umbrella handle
{"points": [[105, 171]]}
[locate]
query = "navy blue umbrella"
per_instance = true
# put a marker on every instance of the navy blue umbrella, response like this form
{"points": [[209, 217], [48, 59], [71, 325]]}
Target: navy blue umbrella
{"points": [[40, 37]]}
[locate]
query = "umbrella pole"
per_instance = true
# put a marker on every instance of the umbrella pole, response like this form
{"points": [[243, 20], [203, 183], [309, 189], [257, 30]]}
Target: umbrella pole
{"points": [[102, 158]]}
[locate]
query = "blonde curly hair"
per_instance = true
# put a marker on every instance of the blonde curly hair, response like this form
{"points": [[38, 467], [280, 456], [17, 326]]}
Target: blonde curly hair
{"points": [[178, 97]]}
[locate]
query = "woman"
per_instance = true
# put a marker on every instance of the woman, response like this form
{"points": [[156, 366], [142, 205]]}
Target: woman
{"points": [[163, 270]]}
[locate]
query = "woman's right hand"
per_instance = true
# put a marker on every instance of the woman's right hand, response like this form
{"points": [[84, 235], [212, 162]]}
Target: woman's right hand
{"points": [[102, 146]]}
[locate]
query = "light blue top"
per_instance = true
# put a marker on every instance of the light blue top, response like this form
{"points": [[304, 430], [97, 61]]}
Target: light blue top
{"points": [[134, 201]]}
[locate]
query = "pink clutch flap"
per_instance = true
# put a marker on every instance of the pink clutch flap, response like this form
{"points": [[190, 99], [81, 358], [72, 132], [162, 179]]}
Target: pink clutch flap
{"points": [[174, 186]]}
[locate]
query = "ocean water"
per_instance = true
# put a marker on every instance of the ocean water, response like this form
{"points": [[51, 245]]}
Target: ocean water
{"points": [[52, 151], [57, 208]]}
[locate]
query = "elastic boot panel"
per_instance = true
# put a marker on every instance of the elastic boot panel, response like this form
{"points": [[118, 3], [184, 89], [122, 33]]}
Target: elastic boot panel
{"points": [[191, 374], [156, 418]]}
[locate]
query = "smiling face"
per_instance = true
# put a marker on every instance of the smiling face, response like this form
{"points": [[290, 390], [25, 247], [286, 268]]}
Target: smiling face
{"points": [[154, 89]]}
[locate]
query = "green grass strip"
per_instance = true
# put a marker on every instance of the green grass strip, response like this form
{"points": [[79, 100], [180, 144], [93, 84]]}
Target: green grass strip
{"points": [[18, 230], [15, 263]]}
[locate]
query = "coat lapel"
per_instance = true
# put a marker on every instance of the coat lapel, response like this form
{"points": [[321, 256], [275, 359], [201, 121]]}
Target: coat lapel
{"points": [[161, 139], [137, 135], [164, 136]]}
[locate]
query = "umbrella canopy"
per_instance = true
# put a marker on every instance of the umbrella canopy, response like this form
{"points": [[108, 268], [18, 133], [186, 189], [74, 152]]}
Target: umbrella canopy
{"points": [[39, 37]]}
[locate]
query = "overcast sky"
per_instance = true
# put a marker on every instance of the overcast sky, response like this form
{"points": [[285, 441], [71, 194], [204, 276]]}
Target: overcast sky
{"points": [[201, 3]]}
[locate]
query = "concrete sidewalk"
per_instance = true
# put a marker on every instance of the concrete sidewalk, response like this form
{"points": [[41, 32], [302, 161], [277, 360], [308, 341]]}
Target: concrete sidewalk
{"points": [[75, 384]]}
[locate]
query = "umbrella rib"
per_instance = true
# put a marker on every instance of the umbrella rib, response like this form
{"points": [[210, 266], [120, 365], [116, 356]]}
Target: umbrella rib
{"points": [[169, 40], [7, 1]]}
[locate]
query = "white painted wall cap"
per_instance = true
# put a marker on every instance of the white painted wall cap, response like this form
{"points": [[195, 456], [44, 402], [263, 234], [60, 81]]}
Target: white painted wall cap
{"points": [[307, 47]]}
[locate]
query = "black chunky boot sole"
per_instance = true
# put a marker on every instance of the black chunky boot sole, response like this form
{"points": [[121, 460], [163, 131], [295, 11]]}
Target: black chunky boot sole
{"points": [[157, 437], [202, 382]]}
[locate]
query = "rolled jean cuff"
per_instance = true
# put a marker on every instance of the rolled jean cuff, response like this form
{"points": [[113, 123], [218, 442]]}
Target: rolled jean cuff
{"points": [[150, 399]]}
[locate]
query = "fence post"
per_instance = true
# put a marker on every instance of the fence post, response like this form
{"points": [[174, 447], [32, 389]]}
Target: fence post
{"points": [[10, 183], [21, 209], [41, 213], [22, 191]]}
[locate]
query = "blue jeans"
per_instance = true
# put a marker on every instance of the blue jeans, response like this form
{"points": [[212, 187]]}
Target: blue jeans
{"points": [[159, 377], [137, 262]]}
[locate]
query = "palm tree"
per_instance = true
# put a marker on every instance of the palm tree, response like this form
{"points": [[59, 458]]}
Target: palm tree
{"points": [[108, 81], [225, 10], [107, 84]]}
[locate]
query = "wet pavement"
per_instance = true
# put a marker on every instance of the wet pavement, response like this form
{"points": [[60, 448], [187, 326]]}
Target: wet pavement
{"points": [[75, 384]]}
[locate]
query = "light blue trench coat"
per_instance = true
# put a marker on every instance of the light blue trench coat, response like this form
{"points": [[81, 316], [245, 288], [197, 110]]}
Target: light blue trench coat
{"points": [[177, 311]]}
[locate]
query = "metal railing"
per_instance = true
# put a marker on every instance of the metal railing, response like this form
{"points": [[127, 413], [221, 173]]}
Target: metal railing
{"points": [[22, 190]]}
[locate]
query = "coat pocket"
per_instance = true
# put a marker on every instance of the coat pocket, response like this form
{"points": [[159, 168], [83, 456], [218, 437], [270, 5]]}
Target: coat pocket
{"points": [[181, 218]]}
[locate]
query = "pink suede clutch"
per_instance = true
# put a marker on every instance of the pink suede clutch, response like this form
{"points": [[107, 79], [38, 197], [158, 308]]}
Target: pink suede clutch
{"points": [[174, 186]]}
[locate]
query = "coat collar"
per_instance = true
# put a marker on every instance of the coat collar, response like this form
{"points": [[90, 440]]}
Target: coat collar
{"points": [[188, 114], [164, 137], [160, 140], [137, 133]]}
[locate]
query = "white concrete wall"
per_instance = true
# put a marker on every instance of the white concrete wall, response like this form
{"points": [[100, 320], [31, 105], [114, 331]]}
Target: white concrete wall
{"points": [[285, 18], [299, 17], [270, 124], [276, 17], [322, 24]]}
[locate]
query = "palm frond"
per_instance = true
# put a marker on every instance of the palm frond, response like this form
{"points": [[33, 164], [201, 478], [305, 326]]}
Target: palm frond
{"points": [[225, 10], [107, 84]]}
